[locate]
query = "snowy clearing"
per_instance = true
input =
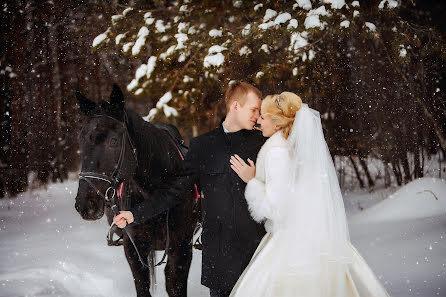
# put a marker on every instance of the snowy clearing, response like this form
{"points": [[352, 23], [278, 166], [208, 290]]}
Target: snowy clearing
{"points": [[48, 250]]}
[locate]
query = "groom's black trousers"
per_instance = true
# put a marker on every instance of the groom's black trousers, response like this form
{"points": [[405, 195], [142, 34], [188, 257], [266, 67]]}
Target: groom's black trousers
{"points": [[219, 293]]}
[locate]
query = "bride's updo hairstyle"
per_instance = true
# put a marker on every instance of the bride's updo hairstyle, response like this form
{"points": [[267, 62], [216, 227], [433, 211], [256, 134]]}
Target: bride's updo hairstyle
{"points": [[281, 109]]}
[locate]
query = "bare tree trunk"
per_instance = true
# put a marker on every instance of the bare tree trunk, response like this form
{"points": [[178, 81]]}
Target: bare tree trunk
{"points": [[341, 174], [406, 168], [387, 179], [16, 178], [58, 173], [358, 174], [416, 164], [42, 154], [397, 171], [422, 161], [418, 167], [367, 172]]}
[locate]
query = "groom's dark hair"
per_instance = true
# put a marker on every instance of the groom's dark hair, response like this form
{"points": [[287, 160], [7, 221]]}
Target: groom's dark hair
{"points": [[237, 91]]}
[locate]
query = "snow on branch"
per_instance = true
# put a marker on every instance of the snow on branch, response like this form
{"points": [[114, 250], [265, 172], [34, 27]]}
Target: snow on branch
{"points": [[162, 105], [298, 40], [370, 26], [100, 38], [142, 35], [215, 57], [312, 20], [388, 4], [305, 4], [268, 33], [345, 24], [335, 4], [215, 33]]}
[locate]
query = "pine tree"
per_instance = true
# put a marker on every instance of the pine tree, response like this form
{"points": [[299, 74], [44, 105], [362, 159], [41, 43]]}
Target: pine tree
{"points": [[365, 65]]}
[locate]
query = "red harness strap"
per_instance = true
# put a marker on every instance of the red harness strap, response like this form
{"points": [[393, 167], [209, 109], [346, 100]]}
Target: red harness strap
{"points": [[196, 194], [119, 193]]}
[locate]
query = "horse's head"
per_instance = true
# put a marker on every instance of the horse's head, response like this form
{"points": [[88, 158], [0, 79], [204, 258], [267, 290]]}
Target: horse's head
{"points": [[107, 152]]}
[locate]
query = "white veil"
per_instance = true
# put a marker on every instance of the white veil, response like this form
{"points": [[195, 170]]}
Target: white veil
{"points": [[314, 210]]}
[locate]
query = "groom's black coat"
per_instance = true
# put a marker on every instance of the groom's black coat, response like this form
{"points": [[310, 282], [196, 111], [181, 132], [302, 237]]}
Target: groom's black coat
{"points": [[230, 236]]}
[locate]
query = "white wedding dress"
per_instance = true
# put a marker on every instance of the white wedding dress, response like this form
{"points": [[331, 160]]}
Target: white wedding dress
{"points": [[306, 251]]}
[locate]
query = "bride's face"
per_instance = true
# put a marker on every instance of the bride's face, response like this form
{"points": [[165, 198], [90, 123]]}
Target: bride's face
{"points": [[266, 125]]}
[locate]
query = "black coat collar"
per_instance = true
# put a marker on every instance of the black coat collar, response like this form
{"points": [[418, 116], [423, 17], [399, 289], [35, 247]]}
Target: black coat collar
{"points": [[220, 131]]}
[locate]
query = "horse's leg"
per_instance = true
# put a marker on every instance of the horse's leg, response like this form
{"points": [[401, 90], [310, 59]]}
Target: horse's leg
{"points": [[140, 272], [177, 268]]}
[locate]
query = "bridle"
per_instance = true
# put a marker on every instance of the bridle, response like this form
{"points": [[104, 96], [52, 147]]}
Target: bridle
{"points": [[113, 180]]}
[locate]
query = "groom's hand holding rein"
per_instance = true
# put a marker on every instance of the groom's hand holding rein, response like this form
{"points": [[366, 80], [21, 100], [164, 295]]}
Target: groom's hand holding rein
{"points": [[123, 218]]}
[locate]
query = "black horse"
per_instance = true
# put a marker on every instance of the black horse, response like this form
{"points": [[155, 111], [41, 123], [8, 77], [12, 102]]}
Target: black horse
{"points": [[123, 154]]}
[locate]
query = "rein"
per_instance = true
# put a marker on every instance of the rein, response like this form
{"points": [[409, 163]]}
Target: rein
{"points": [[111, 192], [113, 181]]}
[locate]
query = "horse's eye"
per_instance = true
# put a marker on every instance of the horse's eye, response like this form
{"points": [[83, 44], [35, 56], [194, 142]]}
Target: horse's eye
{"points": [[113, 141]]}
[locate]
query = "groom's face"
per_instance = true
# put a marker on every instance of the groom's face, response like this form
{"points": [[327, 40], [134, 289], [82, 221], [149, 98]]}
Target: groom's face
{"points": [[248, 113]]}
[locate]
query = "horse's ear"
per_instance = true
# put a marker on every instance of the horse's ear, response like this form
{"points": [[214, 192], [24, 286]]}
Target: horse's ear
{"points": [[85, 104], [117, 98]]}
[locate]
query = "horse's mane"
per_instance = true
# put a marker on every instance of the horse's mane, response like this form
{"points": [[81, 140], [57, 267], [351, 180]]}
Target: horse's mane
{"points": [[157, 155]]}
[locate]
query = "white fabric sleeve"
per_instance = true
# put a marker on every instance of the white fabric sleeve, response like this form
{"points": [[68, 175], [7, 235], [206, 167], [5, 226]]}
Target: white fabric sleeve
{"points": [[262, 197]]}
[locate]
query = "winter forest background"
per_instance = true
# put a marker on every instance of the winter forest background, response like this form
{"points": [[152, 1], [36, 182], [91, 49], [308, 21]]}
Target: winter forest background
{"points": [[374, 69]]}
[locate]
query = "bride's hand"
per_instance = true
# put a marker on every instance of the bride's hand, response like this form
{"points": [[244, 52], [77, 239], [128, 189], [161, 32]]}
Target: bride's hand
{"points": [[244, 171]]}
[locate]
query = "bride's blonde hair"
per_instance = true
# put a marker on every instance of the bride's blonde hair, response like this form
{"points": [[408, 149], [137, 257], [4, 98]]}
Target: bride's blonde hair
{"points": [[281, 109]]}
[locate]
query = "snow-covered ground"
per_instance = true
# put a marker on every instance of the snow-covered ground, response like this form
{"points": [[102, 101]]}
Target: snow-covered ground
{"points": [[46, 249]]}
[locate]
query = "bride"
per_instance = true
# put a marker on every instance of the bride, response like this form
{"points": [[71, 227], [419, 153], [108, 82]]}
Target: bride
{"points": [[294, 190]]}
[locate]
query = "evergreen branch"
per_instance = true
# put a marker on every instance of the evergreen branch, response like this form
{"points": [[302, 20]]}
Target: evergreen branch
{"points": [[182, 71], [311, 45], [169, 8]]}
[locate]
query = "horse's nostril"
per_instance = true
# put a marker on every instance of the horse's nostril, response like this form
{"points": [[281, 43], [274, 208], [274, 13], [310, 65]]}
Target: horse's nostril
{"points": [[91, 205], [91, 212]]}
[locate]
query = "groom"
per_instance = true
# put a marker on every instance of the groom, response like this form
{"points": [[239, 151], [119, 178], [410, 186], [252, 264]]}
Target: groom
{"points": [[230, 236]]}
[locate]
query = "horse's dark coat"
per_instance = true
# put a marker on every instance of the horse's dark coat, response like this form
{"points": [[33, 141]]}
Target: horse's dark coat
{"points": [[157, 161]]}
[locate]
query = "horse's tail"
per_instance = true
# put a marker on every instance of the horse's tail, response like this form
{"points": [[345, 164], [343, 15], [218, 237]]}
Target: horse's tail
{"points": [[151, 260]]}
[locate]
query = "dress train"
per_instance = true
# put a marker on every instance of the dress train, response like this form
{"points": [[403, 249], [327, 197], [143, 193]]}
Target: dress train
{"points": [[268, 275]]}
